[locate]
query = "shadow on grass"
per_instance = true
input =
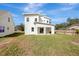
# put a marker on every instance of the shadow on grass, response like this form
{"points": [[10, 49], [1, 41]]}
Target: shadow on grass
{"points": [[13, 35]]}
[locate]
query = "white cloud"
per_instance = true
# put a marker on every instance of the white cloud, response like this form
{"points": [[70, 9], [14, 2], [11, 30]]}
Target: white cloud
{"points": [[12, 6], [65, 8], [14, 15], [33, 8], [68, 4], [17, 19], [30, 7]]}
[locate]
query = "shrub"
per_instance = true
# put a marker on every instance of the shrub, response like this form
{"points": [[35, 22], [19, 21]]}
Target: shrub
{"points": [[50, 32], [77, 31]]}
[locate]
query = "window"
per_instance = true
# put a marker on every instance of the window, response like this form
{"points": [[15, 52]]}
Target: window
{"points": [[32, 29], [50, 22], [35, 19], [7, 28], [47, 21], [8, 19], [41, 30], [27, 19], [2, 29]]}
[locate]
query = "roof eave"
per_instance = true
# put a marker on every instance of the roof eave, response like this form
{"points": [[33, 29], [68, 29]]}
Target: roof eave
{"points": [[43, 23]]}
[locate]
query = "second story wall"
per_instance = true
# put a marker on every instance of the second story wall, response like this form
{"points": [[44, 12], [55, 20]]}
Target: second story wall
{"points": [[31, 19], [6, 23], [29, 23], [44, 20]]}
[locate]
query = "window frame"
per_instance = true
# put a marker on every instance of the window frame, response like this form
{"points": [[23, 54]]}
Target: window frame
{"points": [[35, 19], [7, 28], [8, 19], [32, 29], [2, 30], [27, 19], [47, 21]]}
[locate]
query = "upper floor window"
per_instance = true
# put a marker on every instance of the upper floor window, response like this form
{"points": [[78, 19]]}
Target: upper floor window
{"points": [[8, 19], [50, 22], [32, 29], [7, 28], [27, 19], [35, 19], [47, 21], [2, 29]]}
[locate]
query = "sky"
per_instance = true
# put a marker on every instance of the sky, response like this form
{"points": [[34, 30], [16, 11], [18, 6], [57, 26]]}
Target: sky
{"points": [[58, 12]]}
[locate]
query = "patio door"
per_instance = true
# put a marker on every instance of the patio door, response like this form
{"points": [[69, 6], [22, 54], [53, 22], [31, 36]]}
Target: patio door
{"points": [[41, 30]]}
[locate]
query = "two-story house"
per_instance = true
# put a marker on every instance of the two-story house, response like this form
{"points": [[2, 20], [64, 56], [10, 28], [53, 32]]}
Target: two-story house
{"points": [[6, 23], [38, 24]]}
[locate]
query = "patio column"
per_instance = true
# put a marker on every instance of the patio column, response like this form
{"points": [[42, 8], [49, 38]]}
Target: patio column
{"points": [[44, 30]]}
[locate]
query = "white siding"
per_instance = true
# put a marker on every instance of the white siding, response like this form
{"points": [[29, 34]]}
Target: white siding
{"points": [[30, 24], [44, 20], [4, 22]]}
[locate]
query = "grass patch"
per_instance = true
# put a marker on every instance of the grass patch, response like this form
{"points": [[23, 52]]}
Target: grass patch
{"points": [[12, 50], [43, 45]]}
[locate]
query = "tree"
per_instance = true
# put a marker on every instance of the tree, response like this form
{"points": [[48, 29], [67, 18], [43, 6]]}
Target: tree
{"points": [[77, 31], [70, 21], [61, 26], [20, 27]]}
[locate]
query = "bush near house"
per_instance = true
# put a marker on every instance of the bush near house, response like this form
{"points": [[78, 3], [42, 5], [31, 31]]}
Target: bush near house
{"points": [[50, 32], [77, 31]]}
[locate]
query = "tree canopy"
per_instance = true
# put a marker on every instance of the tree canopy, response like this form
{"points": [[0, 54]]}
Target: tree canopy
{"points": [[20, 27], [70, 21]]}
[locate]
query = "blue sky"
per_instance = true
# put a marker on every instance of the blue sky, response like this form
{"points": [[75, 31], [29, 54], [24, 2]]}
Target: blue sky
{"points": [[58, 12]]}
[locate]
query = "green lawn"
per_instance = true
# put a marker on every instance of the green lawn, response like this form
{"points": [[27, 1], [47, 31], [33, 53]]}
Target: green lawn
{"points": [[41, 45]]}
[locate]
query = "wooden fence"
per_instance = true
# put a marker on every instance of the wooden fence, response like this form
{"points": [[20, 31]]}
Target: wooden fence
{"points": [[70, 32]]}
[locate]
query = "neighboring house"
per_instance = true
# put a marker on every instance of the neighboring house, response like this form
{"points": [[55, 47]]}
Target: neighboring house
{"points": [[6, 23], [38, 24], [73, 27]]}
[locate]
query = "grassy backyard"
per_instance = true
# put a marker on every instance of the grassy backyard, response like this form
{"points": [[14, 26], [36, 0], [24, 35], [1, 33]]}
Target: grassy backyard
{"points": [[58, 44]]}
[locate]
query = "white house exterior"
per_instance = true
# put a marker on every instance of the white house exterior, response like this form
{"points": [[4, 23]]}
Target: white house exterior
{"points": [[38, 24], [6, 23]]}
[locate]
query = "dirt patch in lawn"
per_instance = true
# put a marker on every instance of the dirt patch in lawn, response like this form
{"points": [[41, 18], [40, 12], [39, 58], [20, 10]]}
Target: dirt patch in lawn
{"points": [[9, 39], [75, 42], [6, 42]]}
